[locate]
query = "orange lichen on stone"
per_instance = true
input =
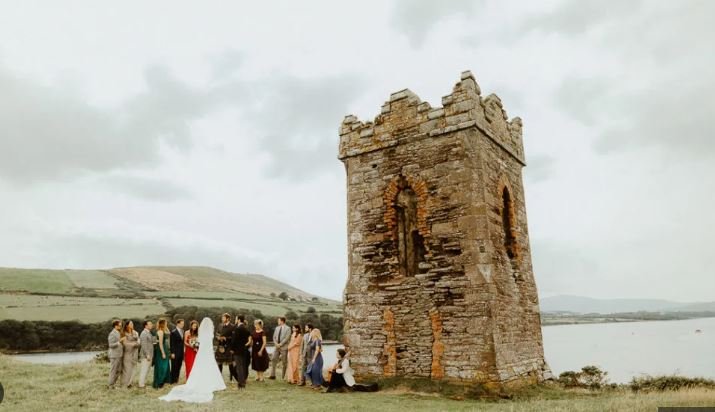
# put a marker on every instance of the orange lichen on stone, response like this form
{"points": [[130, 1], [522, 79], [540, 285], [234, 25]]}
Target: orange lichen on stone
{"points": [[390, 368], [437, 345]]}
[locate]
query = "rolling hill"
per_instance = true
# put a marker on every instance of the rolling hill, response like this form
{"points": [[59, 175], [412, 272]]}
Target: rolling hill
{"points": [[98, 295]]}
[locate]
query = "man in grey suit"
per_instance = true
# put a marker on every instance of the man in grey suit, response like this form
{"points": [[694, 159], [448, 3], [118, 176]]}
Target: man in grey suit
{"points": [[115, 352], [146, 351], [305, 353], [281, 338]]}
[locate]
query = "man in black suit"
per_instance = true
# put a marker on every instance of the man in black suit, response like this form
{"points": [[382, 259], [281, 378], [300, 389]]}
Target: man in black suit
{"points": [[176, 345], [239, 350]]}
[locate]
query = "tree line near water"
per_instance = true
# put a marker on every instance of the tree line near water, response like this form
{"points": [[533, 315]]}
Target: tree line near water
{"points": [[331, 327], [59, 336]]}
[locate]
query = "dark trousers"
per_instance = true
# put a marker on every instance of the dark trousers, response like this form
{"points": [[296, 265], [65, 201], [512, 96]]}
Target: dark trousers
{"points": [[337, 381], [241, 361], [176, 367], [231, 370]]}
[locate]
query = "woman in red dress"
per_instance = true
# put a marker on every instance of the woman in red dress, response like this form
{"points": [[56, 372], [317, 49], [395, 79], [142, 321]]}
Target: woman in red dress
{"points": [[191, 346]]}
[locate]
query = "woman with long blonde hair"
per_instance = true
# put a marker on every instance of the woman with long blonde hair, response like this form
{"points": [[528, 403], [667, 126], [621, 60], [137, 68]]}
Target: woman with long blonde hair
{"points": [[162, 374], [314, 371]]}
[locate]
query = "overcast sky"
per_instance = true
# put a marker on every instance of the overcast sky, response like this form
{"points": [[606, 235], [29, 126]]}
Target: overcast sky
{"points": [[185, 133]]}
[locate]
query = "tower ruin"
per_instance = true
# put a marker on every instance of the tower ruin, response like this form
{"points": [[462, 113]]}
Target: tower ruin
{"points": [[440, 279]]}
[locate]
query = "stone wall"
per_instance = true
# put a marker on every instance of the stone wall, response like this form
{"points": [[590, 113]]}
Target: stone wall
{"points": [[436, 288]]}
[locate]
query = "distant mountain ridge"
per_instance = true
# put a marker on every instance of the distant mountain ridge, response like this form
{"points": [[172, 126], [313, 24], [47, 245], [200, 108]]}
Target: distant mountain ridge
{"points": [[583, 304]]}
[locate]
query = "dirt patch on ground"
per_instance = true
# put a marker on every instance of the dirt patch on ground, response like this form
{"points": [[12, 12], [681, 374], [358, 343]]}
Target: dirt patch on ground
{"points": [[408, 391]]}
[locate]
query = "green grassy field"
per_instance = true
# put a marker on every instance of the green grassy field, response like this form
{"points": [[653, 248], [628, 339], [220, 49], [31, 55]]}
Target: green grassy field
{"points": [[266, 309], [92, 279], [35, 280], [51, 308], [99, 295], [81, 386]]}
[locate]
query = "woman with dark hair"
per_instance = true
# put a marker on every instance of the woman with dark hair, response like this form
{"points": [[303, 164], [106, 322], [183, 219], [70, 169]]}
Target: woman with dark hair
{"points": [[162, 374], [130, 342], [296, 342], [259, 355], [191, 346]]}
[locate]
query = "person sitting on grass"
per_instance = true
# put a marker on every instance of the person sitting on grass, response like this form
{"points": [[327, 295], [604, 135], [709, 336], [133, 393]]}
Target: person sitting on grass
{"points": [[340, 374], [341, 377]]}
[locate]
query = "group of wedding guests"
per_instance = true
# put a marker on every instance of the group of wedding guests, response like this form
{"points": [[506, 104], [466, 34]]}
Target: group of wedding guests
{"points": [[163, 349], [298, 351]]}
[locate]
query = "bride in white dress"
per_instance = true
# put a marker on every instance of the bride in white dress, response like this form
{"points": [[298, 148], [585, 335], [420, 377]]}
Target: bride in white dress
{"points": [[205, 378]]}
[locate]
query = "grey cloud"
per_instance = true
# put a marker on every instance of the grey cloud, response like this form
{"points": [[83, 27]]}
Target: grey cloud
{"points": [[416, 18], [96, 251], [678, 120], [298, 120], [50, 133], [225, 64], [561, 266], [585, 98], [539, 168], [664, 98], [576, 17], [295, 119], [659, 31], [152, 189]]}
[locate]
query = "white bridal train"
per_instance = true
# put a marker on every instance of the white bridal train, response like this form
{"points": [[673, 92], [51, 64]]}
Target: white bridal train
{"points": [[205, 377]]}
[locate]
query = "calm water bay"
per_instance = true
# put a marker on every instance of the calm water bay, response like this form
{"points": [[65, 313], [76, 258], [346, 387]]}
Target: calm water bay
{"points": [[624, 350]]}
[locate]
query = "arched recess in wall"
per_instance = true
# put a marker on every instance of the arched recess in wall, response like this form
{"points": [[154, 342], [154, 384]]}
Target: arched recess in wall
{"points": [[509, 222], [406, 220]]}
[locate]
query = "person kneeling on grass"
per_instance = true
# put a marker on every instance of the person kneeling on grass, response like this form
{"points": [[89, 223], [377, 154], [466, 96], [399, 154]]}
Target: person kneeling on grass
{"points": [[341, 376]]}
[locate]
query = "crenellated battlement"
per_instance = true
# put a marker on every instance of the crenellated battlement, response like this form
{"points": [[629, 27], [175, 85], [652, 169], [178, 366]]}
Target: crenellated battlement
{"points": [[405, 117]]}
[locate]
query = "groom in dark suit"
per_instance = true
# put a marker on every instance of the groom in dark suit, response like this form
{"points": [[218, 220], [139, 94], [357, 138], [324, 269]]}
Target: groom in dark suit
{"points": [[176, 346], [239, 350]]}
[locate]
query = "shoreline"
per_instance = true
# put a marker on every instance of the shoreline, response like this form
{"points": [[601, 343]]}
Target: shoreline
{"points": [[622, 320]]}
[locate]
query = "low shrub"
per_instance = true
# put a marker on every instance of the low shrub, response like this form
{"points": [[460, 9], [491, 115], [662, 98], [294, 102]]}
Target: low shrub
{"points": [[668, 383], [590, 377]]}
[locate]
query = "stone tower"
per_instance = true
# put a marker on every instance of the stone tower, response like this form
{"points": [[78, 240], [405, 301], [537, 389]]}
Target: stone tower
{"points": [[440, 281]]}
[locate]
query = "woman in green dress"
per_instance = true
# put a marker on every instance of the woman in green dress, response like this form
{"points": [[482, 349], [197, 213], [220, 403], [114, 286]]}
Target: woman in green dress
{"points": [[161, 355]]}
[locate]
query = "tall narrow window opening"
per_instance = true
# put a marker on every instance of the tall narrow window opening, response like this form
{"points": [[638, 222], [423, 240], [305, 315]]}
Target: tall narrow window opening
{"points": [[507, 217], [410, 243]]}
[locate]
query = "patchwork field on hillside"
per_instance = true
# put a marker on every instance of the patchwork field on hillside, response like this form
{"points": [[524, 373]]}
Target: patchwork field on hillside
{"points": [[99, 295]]}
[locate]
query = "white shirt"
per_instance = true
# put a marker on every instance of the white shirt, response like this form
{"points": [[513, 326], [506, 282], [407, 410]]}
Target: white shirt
{"points": [[346, 371]]}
